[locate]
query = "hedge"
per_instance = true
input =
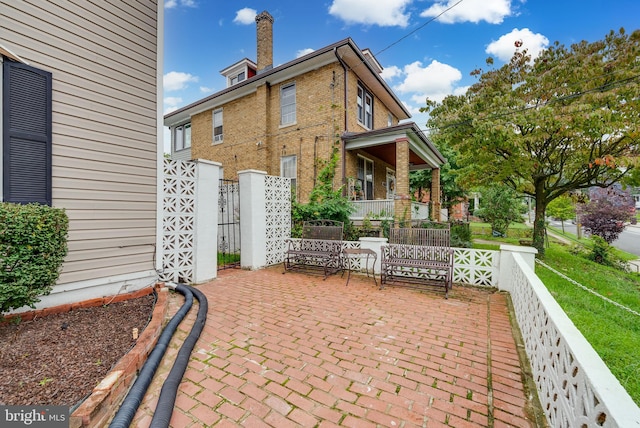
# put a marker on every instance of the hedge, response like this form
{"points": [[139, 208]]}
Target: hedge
{"points": [[33, 244]]}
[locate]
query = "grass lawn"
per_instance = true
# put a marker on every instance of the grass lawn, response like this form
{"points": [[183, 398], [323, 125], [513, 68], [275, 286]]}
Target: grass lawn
{"points": [[612, 331]]}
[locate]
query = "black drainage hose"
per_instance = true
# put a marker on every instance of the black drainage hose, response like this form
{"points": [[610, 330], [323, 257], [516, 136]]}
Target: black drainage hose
{"points": [[129, 407], [167, 398]]}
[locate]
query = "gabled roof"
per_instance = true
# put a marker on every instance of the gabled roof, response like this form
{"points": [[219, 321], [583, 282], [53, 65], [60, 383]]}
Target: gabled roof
{"points": [[345, 50]]}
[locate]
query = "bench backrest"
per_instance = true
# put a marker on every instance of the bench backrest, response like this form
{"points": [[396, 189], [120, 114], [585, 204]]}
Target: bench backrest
{"points": [[420, 236], [322, 229]]}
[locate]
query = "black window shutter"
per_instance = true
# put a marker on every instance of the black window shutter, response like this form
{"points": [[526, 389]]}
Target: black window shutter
{"points": [[26, 135]]}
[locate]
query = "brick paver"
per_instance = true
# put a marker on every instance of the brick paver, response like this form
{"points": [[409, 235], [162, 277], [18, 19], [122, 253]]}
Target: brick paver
{"points": [[295, 350]]}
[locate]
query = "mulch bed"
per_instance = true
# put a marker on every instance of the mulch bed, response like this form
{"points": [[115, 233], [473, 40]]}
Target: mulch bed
{"points": [[58, 359]]}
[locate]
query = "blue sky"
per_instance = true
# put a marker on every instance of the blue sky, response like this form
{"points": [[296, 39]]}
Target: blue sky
{"points": [[427, 47]]}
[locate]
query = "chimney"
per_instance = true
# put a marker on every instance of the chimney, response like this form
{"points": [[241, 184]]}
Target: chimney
{"points": [[264, 25]]}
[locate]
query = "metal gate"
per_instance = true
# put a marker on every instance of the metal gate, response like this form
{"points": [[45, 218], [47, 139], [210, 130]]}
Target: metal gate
{"points": [[229, 225]]}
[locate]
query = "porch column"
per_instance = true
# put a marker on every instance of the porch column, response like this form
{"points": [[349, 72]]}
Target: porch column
{"points": [[402, 204], [436, 205]]}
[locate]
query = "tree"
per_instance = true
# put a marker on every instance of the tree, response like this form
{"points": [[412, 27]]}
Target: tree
{"points": [[500, 207], [606, 213], [567, 120], [452, 193], [562, 208]]}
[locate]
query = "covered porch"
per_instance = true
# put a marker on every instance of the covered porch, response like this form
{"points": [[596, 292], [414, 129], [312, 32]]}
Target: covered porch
{"points": [[397, 150]]}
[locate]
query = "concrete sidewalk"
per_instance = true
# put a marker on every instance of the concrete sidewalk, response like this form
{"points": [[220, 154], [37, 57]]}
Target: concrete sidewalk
{"points": [[293, 350]]}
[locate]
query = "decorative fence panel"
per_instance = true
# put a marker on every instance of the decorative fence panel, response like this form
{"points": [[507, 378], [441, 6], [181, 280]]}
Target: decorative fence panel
{"points": [[178, 222], [475, 267], [575, 387], [228, 224], [278, 217]]}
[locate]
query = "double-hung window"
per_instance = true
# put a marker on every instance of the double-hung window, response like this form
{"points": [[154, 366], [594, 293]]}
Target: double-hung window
{"points": [[182, 137], [365, 107], [26, 133], [364, 184], [288, 104], [289, 168], [217, 126]]}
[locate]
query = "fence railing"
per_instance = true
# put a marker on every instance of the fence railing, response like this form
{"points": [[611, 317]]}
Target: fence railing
{"points": [[575, 387]]}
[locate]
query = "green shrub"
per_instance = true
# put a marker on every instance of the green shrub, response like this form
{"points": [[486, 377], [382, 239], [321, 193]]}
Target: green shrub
{"points": [[460, 234], [601, 252], [33, 244]]}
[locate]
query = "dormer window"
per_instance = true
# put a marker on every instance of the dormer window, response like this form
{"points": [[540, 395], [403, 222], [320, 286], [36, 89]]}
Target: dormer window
{"points": [[236, 79], [239, 72]]}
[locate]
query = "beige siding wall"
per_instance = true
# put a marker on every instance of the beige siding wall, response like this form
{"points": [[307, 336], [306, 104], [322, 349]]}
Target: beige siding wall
{"points": [[102, 56]]}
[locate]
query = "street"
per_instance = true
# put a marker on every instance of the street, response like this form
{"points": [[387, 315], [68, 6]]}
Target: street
{"points": [[629, 239]]}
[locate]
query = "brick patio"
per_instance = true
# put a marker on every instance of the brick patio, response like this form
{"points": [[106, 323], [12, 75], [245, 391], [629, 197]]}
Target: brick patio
{"points": [[296, 351]]}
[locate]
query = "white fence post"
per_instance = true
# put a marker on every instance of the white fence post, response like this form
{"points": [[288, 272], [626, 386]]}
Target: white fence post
{"points": [[205, 245], [252, 219], [375, 244], [505, 279]]}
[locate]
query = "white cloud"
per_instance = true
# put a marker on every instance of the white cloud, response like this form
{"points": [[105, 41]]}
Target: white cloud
{"points": [[491, 11], [171, 104], [385, 13], [417, 83], [435, 81], [176, 80], [168, 110], [303, 52], [170, 4], [205, 89], [504, 47], [388, 73], [245, 16], [172, 101]]}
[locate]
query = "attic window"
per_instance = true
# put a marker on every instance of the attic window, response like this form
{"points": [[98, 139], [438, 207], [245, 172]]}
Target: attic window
{"points": [[238, 78]]}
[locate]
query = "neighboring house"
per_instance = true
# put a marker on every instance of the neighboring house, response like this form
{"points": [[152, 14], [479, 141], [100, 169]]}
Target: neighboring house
{"points": [[80, 120], [286, 120]]}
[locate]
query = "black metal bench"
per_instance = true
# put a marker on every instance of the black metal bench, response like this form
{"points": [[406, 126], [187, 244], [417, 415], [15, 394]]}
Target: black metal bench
{"points": [[418, 255], [320, 248]]}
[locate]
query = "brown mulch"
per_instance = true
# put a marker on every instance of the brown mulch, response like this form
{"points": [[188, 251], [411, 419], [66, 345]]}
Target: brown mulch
{"points": [[59, 359]]}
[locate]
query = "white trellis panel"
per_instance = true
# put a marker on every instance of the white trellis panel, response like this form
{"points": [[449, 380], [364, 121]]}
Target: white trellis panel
{"points": [[178, 221]]}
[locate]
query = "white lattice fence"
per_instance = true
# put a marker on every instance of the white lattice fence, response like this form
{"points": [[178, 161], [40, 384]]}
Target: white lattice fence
{"points": [[178, 221], [575, 387], [278, 217], [475, 267]]}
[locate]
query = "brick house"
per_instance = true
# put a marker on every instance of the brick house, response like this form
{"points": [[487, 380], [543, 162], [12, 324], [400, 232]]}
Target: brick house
{"points": [[287, 119]]}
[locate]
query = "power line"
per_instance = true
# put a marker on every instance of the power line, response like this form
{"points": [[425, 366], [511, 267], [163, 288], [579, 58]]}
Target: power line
{"points": [[420, 27]]}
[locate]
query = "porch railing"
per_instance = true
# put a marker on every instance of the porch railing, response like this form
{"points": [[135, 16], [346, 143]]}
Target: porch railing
{"points": [[383, 209]]}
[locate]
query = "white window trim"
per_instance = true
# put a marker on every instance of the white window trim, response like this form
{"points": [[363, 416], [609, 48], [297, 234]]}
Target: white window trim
{"points": [[295, 104], [373, 177], [294, 179], [173, 137], [213, 127], [362, 106]]}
